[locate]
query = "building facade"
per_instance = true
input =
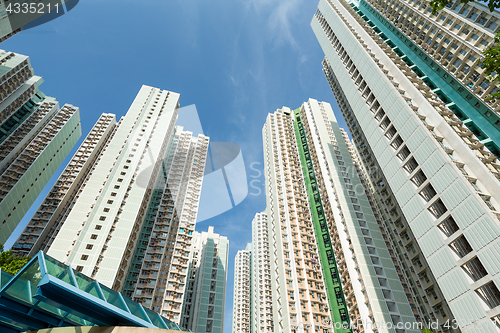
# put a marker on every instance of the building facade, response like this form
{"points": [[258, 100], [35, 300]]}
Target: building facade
{"points": [[159, 272], [205, 298], [102, 225], [299, 295], [433, 176], [342, 245], [253, 296], [50, 216], [453, 37], [261, 294], [124, 209], [35, 137], [242, 291]]}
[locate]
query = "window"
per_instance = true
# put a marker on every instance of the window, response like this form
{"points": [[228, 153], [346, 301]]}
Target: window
{"points": [[475, 269], [209, 325], [490, 294], [411, 165], [93, 236], [117, 187], [102, 218], [438, 209], [89, 246], [397, 142], [404, 153], [492, 26], [84, 257], [484, 84], [449, 226], [461, 246], [474, 185], [428, 192], [419, 178], [79, 268], [106, 210], [391, 132], [98, 227], [113, 194], [110, 202], [385, 123], [121, 179]]}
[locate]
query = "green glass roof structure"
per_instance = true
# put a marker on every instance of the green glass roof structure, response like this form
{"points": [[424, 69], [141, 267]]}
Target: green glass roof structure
{"points": [[47, 293]]}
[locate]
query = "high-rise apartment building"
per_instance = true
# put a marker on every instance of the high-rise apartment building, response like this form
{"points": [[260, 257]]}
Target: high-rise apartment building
{"points": [[426, 144], [159, 272], [205, 297], [50, 216], [253, 301], [242, 291], [124, 209], [299, 295], [330, 265], [35, 137], [103, 226], [261, 293], [453, 37]]}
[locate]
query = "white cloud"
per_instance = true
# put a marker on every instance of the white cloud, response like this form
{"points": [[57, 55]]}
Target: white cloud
{"points": [[281, 13]]}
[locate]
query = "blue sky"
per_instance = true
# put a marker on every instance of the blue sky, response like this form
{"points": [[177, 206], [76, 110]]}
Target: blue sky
{"points": [[235, 60]]}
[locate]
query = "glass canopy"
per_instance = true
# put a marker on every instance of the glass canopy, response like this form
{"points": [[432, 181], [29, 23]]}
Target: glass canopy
{"points": [[47, 293]]}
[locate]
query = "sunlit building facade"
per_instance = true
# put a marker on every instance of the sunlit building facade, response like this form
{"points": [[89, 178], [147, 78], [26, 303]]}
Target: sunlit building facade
{"points": [[205, 297], [453, 37], [299, 295], [102, 228], [330, 265], [36, 134], [159, 273], [242, 291], [50, 216], [261, 293], [125, 207], [427, 146]]}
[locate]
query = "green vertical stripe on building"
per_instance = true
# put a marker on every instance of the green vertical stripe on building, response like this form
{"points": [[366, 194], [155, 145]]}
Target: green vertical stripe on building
{"points": [[335, 294]]}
